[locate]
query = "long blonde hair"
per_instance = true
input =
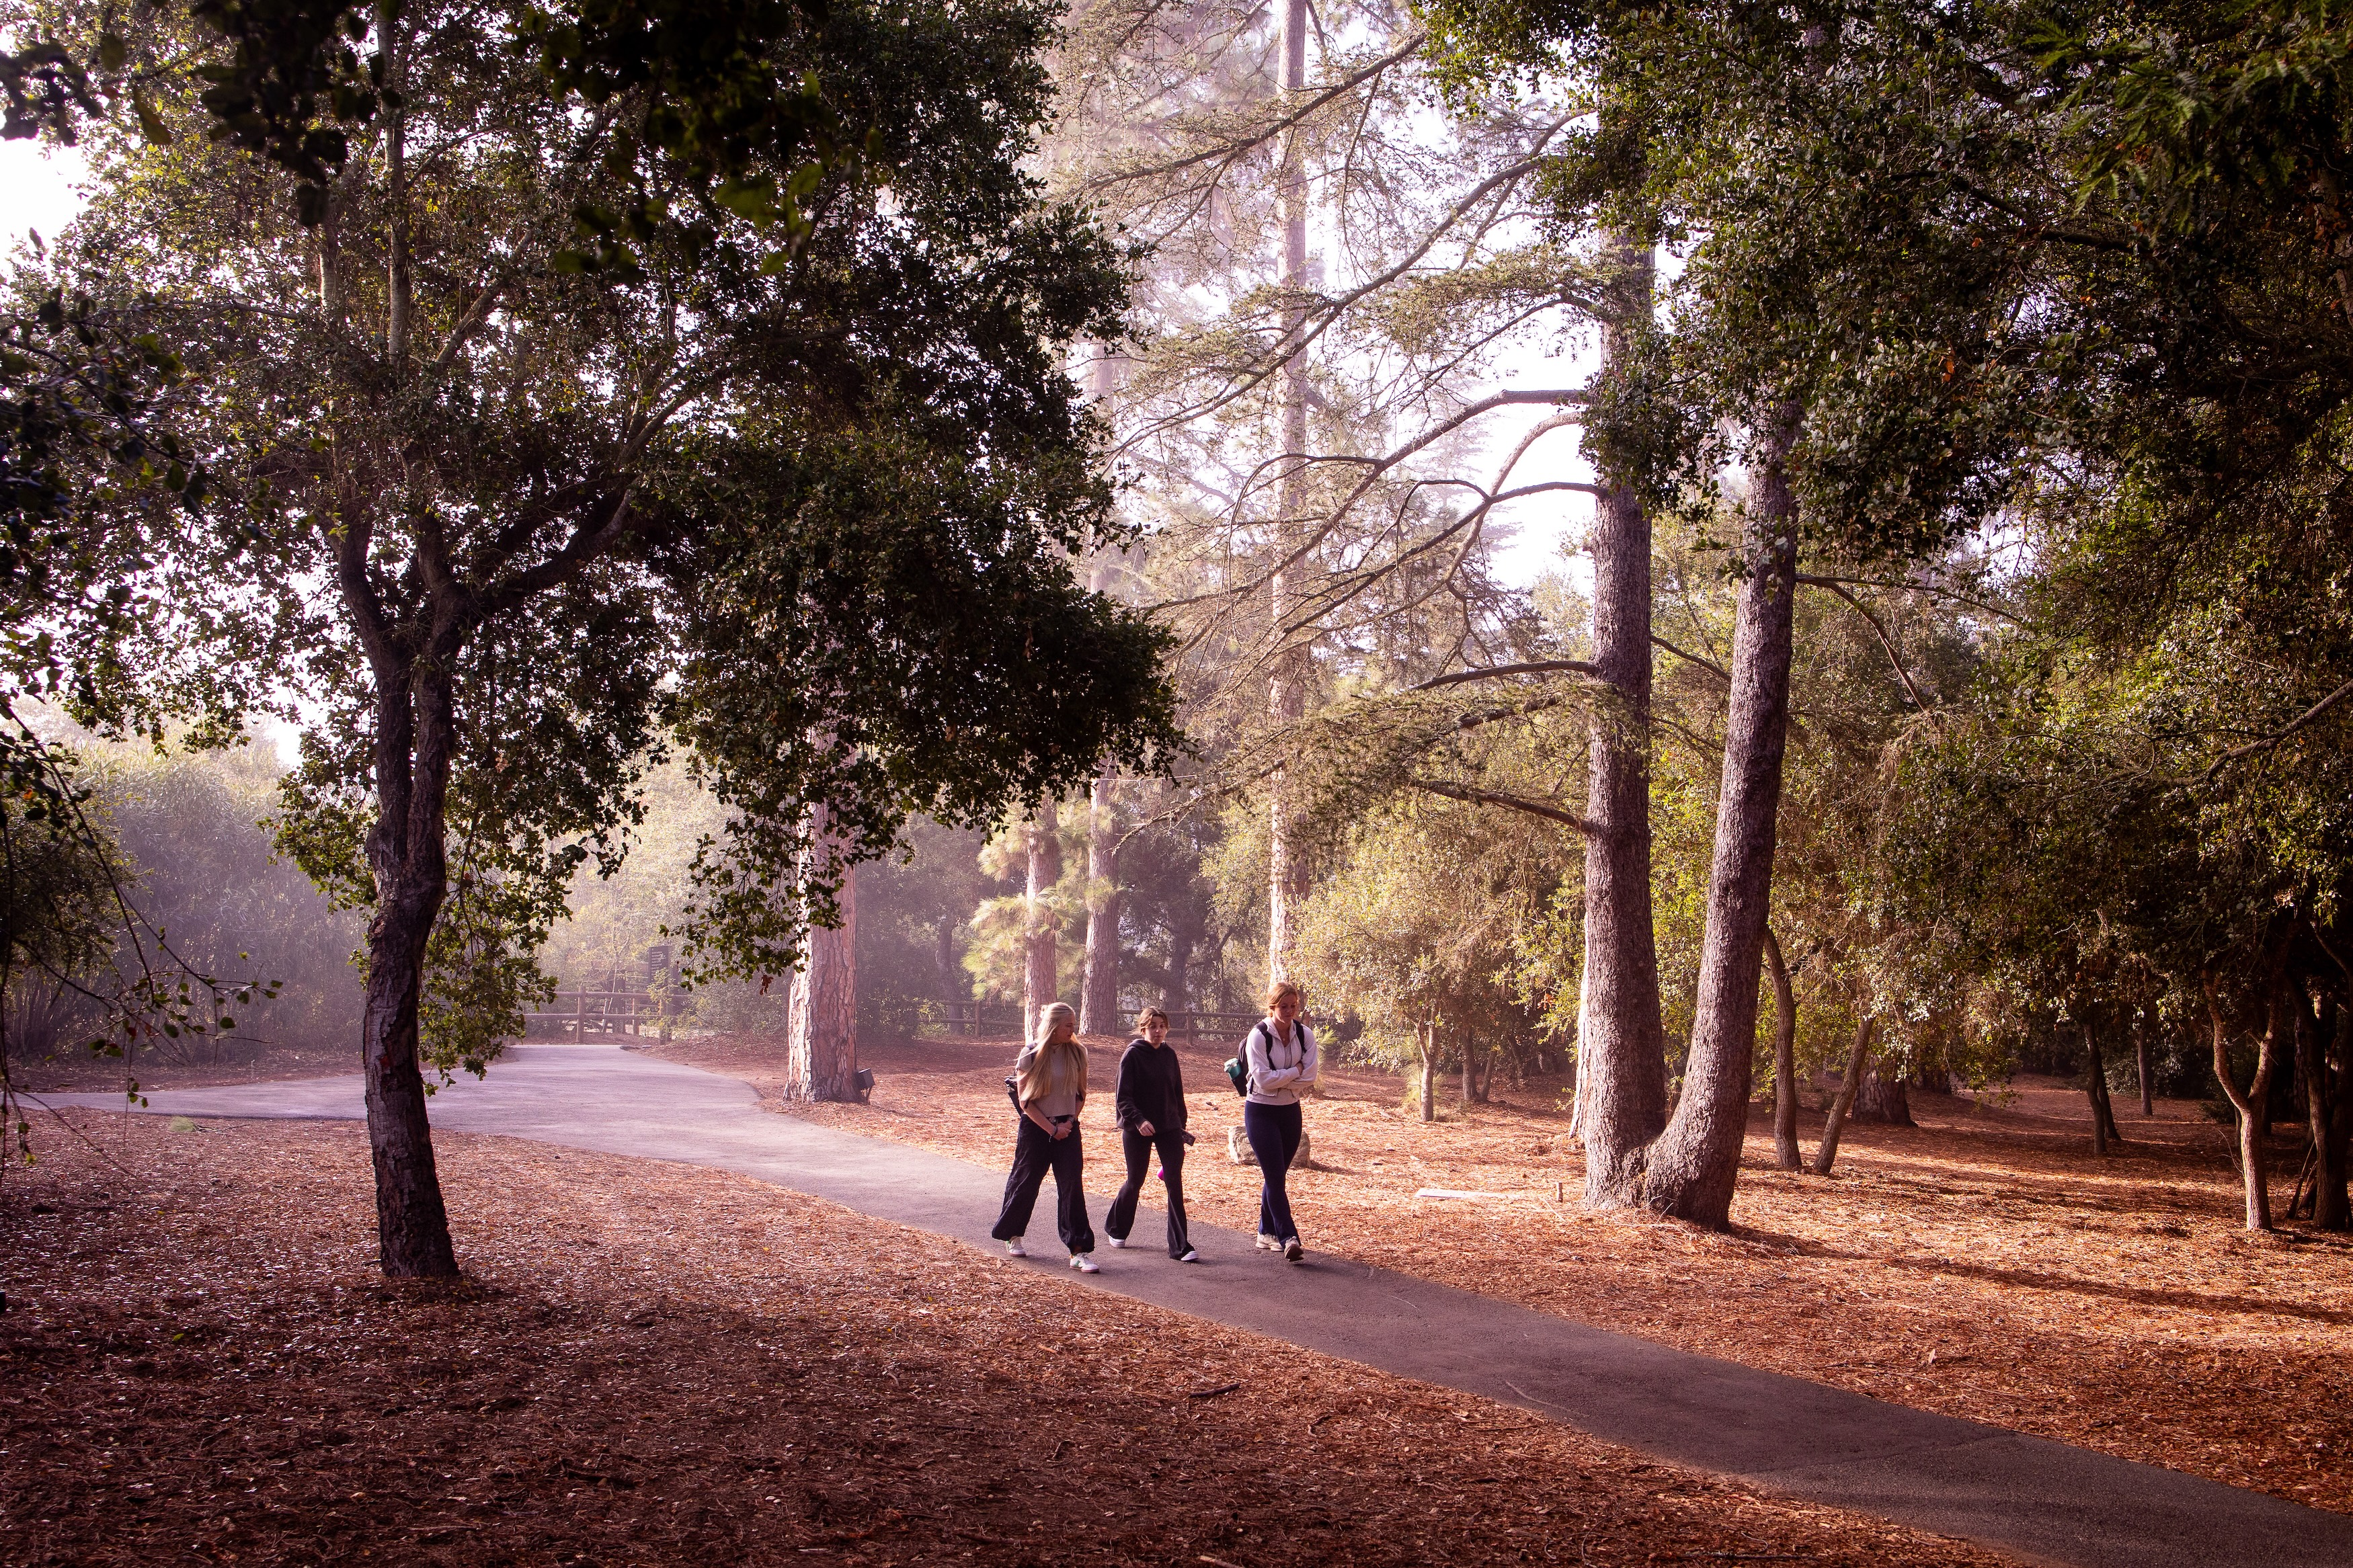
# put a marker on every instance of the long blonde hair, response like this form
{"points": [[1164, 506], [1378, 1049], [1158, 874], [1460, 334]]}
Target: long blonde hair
{"points": [[1040, 1074]]}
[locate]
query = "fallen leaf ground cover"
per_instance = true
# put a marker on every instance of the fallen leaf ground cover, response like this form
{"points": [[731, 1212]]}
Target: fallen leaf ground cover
{"points": [[1984, 1264], [657, 1364]]}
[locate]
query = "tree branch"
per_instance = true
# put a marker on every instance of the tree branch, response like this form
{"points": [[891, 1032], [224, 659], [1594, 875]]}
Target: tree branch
{"points": [[2282, 733], [1509, 802], [1886, 641], [1540, 667], [1708, 665]]}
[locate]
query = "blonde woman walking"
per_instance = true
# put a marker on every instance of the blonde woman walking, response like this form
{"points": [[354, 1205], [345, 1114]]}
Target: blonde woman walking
{"points": [[1280, 1057], [1049, 1088]]}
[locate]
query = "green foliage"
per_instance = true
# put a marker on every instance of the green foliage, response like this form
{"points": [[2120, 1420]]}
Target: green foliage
{"points": [[1414, 934]]}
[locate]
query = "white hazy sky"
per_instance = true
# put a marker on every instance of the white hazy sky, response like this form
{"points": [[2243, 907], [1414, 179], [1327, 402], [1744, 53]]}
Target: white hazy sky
{"points": [[37, 190]]}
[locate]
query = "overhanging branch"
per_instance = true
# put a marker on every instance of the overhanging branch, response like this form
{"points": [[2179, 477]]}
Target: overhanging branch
{"points": [[1509, 802]]}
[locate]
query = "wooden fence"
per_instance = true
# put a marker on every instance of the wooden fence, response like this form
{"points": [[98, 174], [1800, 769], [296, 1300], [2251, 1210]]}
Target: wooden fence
{"points": [[1002, 1020], [578, 1015]]}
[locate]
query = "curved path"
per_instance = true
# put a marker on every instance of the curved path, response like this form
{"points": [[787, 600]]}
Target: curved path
{"points": [[2040, 1501]]}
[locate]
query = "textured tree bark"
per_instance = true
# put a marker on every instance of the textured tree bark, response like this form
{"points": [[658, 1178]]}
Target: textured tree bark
{"points": [[1884, 1097], [1621, 1057], [1621, 1047], [1834, 1125], [1039, 979], [1786, 1154], [2096, 1090], [1099, 995], [2141, 1061], [1696, 1162], [821, 1014], [2254, 1105], [2324, 1116], [406, 853]]}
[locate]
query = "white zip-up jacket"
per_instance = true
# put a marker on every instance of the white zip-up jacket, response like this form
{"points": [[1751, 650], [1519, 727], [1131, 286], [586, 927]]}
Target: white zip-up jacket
{"points": [[1279, 1073]]}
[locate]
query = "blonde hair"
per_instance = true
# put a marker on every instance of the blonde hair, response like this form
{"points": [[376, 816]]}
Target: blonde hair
{"points": [[1281, 988], [1039, 1076]]}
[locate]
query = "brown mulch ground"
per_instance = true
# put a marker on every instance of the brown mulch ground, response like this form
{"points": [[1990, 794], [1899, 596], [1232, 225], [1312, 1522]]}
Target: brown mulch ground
{"points": [[80, 1072], [656, 1363], [1984, 1265]]}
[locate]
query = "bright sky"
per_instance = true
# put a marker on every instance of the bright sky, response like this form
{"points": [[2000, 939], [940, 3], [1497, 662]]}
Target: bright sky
{"points": [[37, 190]]}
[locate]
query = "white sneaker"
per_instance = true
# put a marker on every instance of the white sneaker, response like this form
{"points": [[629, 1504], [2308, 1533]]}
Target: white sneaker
{"points": [[1084, 1264], [1190, 1256], [1119, 1241], [1014, 1249], [1293, 1250], [1268, 1244]]}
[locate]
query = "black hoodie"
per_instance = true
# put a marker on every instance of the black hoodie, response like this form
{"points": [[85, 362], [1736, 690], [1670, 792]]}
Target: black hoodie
{"points": [[1151, 1087]]}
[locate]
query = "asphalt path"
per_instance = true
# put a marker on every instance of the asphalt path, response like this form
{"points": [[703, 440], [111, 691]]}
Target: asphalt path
{"points": [[2037, 1500]]}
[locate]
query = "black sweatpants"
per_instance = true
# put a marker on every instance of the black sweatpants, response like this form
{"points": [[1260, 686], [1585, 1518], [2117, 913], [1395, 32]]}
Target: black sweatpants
{"points": [[1139, 1149], [1274, 1132], [1033, 1154]]}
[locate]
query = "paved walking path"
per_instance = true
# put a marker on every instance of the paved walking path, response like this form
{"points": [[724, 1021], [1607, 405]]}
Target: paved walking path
{"points": [[2040, 1501]]}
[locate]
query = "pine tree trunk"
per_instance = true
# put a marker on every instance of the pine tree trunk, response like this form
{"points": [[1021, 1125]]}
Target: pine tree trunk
{"points": [[1621, 1055], [821, 1015], [1834, 1124], [1039, 979], [1180, 965], [1287, 691], [1099, 997], [414, 732], [1786, 1154], [1696, 1162]]}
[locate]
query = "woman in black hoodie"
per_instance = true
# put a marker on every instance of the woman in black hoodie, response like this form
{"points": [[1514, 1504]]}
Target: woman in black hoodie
{"points": [[1150, 1106]]}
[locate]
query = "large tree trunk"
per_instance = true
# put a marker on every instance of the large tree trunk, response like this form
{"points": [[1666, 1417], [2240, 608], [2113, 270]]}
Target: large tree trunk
{"points": [[2324, 1117], [1039, 979], [1621, 1046], [1786, 1154], [1834, 1124], [821, 1027], [1884, 1097], [1181, 937], [2096, 1090], [943, 958], [2253, 1106], [405, 848], [1099, 995], [1695, 1163]]}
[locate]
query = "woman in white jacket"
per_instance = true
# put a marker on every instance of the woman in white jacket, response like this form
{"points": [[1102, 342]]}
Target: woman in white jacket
{"points": [[1279, 1052]]}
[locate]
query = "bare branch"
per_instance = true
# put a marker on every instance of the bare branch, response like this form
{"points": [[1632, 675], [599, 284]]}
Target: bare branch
{"points": [[1540, 667], [2282, 733], [1509, 802], [1886, 641]]}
